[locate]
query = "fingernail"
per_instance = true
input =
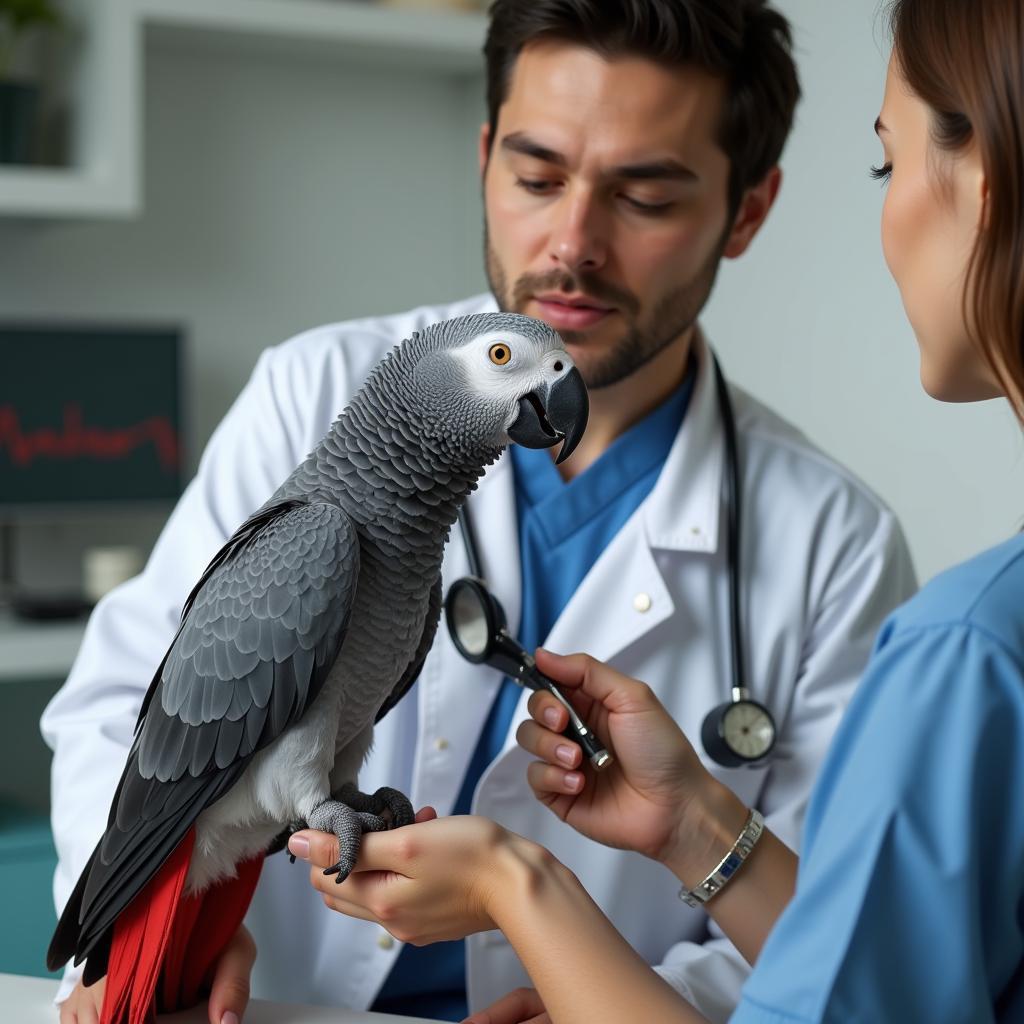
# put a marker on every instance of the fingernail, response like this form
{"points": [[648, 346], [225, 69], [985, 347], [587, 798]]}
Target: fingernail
{"points": [[564, 754], [573, 780], [230, 1017], [551, 717], [299, 845]]}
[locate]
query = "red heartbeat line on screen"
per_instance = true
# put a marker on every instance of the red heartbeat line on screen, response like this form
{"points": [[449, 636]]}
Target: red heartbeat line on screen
{"points": [[75, 439]]}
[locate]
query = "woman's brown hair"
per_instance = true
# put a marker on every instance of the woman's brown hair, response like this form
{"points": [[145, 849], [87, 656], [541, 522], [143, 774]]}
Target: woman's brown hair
{"points": [[965, 60]]}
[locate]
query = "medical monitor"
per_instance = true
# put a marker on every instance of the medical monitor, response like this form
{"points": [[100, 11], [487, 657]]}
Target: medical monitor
{"points": [[90, 416]]}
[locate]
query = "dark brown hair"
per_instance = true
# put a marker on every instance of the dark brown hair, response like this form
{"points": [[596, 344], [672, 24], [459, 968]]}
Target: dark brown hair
{"points": [[965, 60], [745, 42]]}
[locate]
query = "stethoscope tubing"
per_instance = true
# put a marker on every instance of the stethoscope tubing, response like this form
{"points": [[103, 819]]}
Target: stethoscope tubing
{"points": [[732, 496]]}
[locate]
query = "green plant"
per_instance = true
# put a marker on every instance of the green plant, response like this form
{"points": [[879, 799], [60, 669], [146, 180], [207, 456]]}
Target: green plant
{"points": [[16, 18]]}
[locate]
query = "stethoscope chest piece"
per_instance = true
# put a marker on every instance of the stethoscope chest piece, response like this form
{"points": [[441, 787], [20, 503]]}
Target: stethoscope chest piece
{"points": [[738, 733]]}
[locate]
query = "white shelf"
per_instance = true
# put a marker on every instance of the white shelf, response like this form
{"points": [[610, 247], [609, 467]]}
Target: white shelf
{"points": [[37, 650], [104, 86], [443, 41], [104, 180]]}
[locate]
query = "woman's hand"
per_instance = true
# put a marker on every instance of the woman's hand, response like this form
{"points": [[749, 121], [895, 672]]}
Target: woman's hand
{"points": [[657, 798], [438, 879]]}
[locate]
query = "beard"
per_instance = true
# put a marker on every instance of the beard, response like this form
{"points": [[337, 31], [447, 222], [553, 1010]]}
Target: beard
{"points": [[647, 333]]}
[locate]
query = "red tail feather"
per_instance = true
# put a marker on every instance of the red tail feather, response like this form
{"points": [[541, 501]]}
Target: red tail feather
{"points": [[156, 937]]}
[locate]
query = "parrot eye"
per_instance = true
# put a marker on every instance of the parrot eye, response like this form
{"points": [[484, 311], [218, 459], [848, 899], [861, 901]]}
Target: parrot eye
{"points": [[500, 354]]}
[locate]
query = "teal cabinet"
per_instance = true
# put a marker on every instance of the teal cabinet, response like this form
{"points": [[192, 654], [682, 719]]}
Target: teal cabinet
{"points": [[27, 856], [27, 862]]}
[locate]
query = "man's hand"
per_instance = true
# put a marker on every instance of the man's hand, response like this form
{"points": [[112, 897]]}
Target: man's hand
{"points": [[229, 994], [641, 802], [84, 1004], [523, 1006]]}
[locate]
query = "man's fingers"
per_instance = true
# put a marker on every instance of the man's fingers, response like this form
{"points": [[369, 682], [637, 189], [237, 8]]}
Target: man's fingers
{"points": [[84, 1004], [229, 994], [523, 1006]]}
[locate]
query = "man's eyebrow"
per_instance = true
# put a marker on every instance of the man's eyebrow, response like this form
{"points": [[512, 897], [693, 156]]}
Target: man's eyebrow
{"points": [[655, 170], [518, 142], [879, 126]]}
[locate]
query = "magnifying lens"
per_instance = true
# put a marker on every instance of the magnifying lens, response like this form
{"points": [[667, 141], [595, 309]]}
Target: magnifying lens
{"points": [[479, 630]]}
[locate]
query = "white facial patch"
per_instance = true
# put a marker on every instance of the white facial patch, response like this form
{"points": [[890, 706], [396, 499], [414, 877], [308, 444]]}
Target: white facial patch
{"points": [[531, 362]]}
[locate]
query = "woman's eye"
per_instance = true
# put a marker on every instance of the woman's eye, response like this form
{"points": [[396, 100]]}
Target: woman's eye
{"points": [[882, 173], [499, 354]]}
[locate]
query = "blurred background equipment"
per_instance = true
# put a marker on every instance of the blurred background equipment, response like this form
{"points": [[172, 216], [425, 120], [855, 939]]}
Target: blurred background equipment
{"points": [[90, 422]]}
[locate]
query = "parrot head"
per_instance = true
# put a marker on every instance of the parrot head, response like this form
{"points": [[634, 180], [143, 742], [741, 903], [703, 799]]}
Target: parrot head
{"points": [[500, 377]]}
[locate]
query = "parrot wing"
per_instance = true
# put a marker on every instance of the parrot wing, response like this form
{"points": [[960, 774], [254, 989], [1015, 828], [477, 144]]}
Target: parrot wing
{"points": [[259, 635], [426, 641]]}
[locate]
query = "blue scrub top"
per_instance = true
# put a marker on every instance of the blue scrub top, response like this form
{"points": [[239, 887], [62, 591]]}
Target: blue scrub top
{"points": [[563, 528], [910, 896]]}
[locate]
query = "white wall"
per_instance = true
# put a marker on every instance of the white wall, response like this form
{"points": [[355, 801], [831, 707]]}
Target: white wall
{"points": [[283, 193]]}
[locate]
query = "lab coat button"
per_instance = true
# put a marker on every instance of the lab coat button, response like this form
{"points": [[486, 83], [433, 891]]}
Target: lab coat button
{"points": [[642, 602], [441, 743], [385, 941]]}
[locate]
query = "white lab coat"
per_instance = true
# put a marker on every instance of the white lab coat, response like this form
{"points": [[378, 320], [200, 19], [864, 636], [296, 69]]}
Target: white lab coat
{"points": [[824, 562]]}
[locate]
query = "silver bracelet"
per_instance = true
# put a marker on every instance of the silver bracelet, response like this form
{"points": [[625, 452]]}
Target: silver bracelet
{"points": [[727, 867]]}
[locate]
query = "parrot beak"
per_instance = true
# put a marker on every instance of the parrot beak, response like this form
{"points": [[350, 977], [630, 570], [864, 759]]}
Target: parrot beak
{"points": [[548, 415]]}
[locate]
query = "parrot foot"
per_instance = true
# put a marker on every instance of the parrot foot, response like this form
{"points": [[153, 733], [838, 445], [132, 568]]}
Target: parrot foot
{"points": [[348, 825], [387, 803]]}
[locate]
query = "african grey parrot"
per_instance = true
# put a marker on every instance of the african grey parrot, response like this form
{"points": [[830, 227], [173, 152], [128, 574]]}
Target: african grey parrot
{"points": [[306, 628]]}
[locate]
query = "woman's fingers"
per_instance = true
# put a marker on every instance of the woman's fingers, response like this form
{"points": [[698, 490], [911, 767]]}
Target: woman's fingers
{"points": [[548, 782], [552, 747], [598, 681]]}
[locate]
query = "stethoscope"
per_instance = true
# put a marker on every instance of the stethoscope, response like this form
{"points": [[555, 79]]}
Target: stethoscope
{"points": [[737, 733]]}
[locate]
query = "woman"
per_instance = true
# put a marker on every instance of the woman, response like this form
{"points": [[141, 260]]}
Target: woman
{"points": [[910, 898]]}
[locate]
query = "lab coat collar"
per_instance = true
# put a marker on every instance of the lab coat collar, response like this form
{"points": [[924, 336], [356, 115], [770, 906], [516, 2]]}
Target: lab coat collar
{"points": [[682, 511]]}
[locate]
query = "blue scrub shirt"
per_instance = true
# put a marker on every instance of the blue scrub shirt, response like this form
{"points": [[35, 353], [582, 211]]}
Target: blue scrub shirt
{"points": [[910, 896], [563, 528]]}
